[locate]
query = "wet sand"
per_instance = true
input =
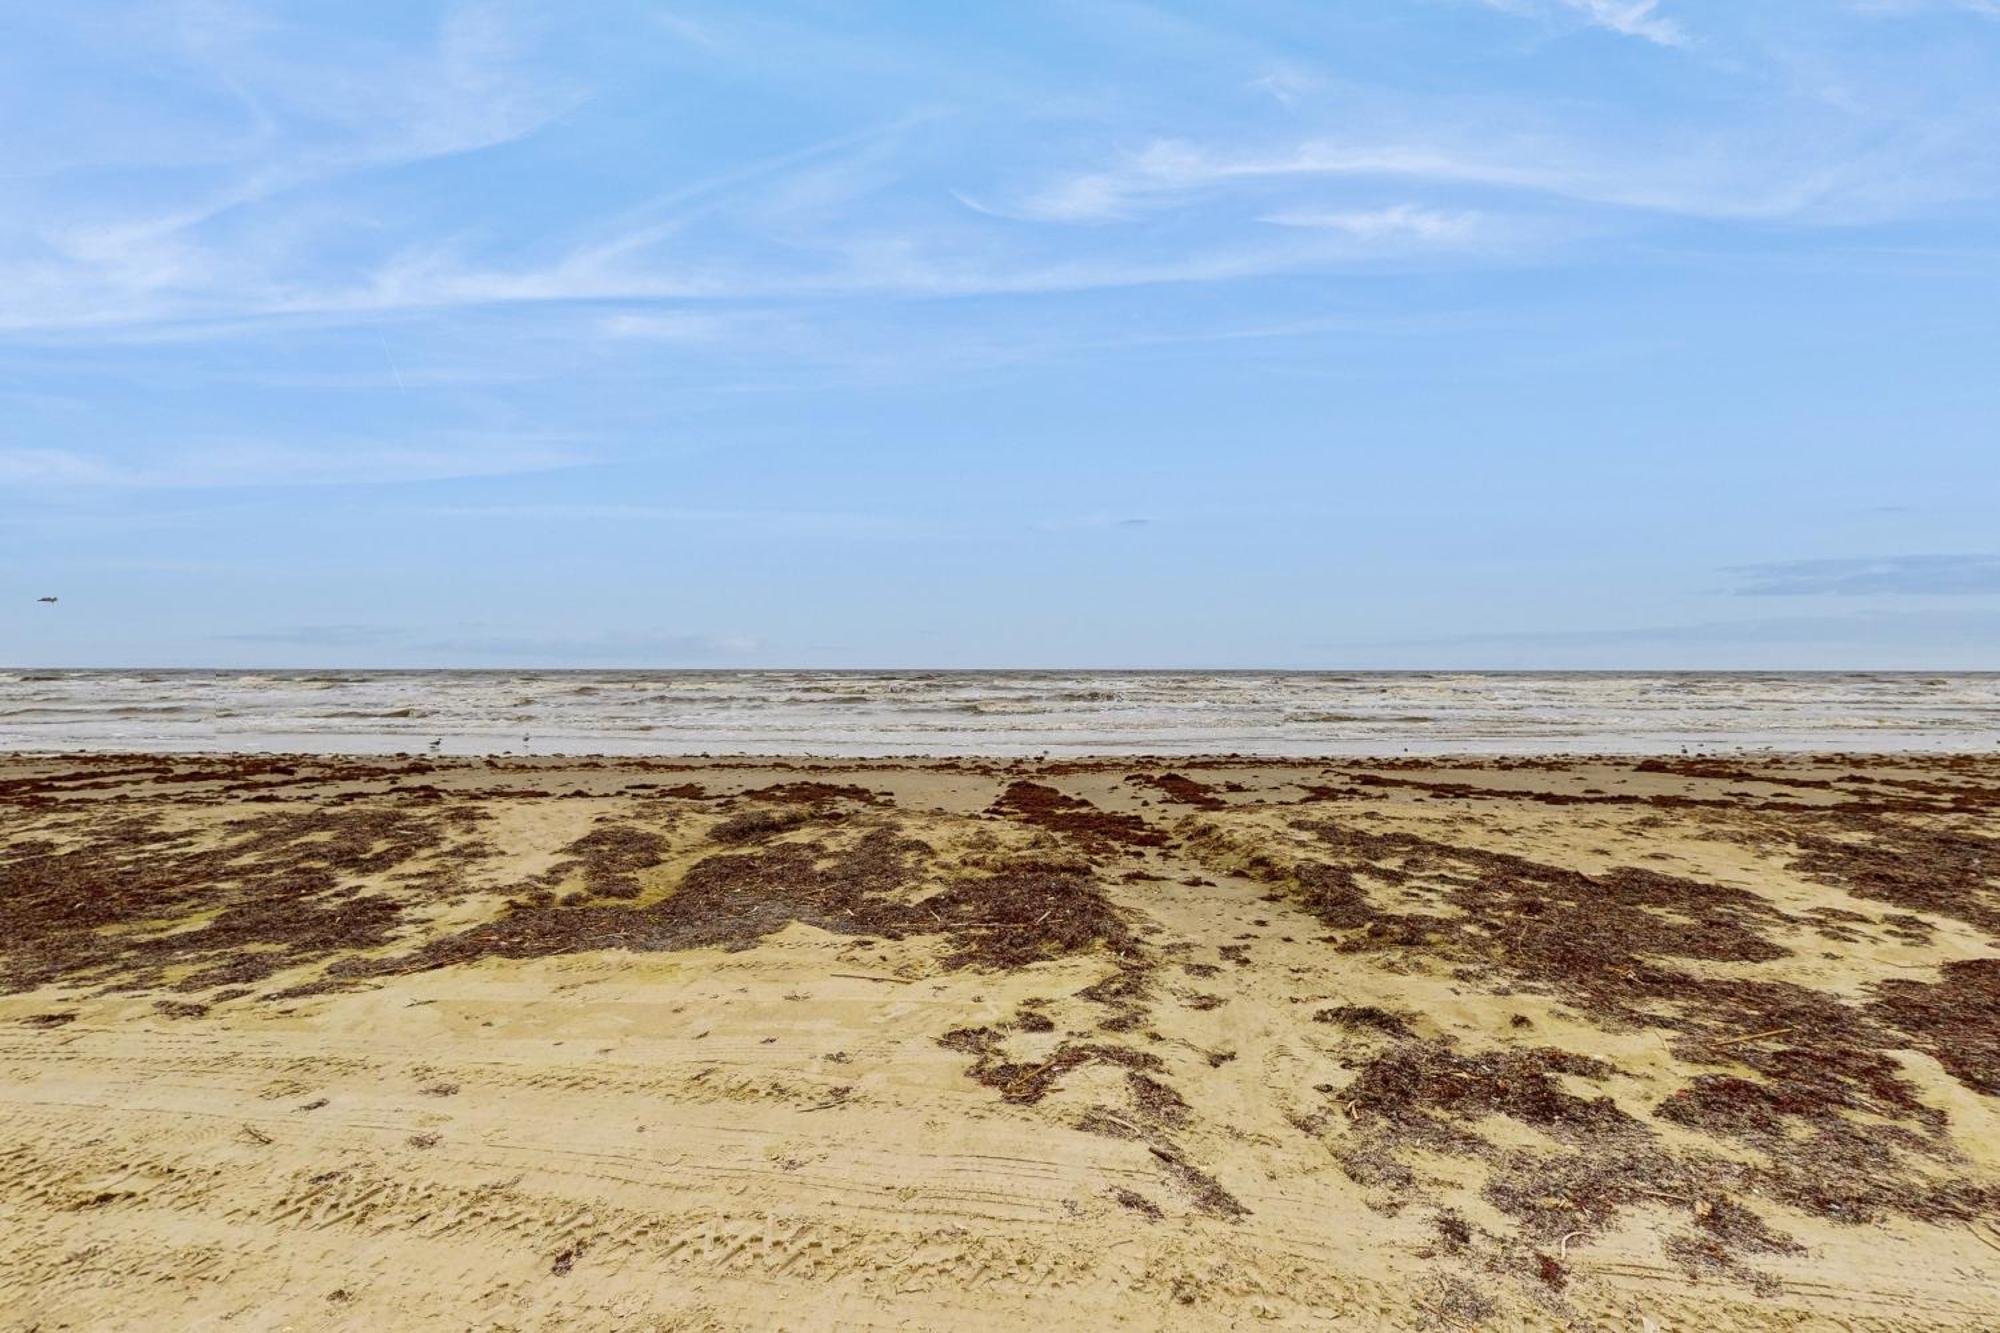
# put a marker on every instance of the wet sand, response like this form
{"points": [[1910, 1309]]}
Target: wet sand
{"points": [[1620, 1044]]}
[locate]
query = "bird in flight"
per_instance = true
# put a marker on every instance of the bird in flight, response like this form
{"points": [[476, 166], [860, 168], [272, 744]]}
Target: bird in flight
{"points": [[50, 600]]}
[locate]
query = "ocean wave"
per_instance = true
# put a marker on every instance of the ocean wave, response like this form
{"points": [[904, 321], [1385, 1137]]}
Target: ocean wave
{"points": [[373, 714], [105, 710], [998, 712]]}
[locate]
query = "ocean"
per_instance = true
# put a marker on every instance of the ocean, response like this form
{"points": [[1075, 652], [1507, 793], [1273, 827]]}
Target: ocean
{"points": [[859, 713]]}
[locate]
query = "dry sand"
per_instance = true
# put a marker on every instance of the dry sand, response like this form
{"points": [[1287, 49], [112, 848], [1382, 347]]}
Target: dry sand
{"points": [[310, 1043]]}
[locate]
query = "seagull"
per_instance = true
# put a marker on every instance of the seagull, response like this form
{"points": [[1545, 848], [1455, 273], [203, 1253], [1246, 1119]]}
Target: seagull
{"points": [[50, 600]]}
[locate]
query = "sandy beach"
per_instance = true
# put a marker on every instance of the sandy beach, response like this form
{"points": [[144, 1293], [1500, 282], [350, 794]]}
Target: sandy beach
{"points": [[1621, 1044]]}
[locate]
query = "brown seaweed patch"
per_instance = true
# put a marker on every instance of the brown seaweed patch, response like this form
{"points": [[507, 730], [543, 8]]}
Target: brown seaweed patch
{"points": [[274, 891], [1202, 1189], [1002, 920], [1715, 770], [1948, 872], [609, 859], [728, 901], [1454, 1232], [1137, 1202], [755, 825], [1839, 1131], [1028, 1017], [1180, 789], [1723, 1232], [1956, 1019], [1018, 916], [1155, 1100], [814, 793], [1074, 818], [1367, 1018], [1595, 939], [1429, 1091], [1027, 1082]]}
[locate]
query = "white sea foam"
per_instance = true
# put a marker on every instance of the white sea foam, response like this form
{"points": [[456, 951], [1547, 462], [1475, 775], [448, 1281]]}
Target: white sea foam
{"points": [[999, 712]]}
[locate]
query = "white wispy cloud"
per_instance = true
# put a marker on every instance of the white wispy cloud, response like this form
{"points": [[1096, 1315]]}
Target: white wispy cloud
{"points": [[666, 326], [166, 271], [739, 523], [1696, 179], [861, 214], [1859, 576], [1630, 18], [1633, 18], [30, 467], [1166, 171], [309, 113], [318, 636], [1983, 8], [1288, 84], [1400, 220], [241, 464], [614, 648]]}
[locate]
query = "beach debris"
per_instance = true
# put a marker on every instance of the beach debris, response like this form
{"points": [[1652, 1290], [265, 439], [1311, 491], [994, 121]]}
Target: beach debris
{"points": [[1754, 1036], [1805, 1093]]}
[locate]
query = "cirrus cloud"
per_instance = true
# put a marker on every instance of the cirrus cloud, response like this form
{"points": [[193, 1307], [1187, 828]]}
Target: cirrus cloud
{"points": [[1889, 575]]}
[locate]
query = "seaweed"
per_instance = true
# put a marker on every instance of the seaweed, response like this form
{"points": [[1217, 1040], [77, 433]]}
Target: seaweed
{"points": [[1956, 1019], [277, 890], [610, 859], [1839, 1129], [1367, 1018], [1944, 871], [1180, 789], [1071, 817]]}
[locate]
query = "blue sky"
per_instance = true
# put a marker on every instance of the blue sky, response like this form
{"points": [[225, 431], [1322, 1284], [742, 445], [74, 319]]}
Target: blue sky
{"points": [[1517, 333]]}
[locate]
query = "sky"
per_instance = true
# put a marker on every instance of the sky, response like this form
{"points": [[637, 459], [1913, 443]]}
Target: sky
{"points": [[1283, 333]]}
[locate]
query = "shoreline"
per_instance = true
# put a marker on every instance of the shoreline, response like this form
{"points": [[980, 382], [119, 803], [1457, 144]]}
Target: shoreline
{"points": [[833, 716], [1472, 757]]}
